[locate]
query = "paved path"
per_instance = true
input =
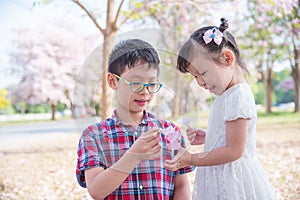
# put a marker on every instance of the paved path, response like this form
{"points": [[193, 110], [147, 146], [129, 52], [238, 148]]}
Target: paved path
{"points": [[67, 126], [34, 134]]}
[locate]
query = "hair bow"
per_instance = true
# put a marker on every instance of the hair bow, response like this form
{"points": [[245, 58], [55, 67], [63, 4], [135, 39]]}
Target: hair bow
{"points": [[213, 34]]}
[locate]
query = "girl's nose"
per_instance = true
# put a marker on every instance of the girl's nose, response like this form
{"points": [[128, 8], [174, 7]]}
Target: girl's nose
{"points": [[201, 82]]}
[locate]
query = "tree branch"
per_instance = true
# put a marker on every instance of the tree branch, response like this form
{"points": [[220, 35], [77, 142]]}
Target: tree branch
{"points": [[90, 16], [118, 13], [128, 17], [193, 2]]}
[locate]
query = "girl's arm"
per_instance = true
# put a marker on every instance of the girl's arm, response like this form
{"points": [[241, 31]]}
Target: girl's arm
{"points": [[236, 135]]}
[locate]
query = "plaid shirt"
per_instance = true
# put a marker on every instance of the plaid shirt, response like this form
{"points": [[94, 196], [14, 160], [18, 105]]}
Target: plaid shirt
{"points": [[102, 144]]}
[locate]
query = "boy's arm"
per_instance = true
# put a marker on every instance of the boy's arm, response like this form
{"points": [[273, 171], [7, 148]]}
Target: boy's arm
{"points": [[97, 181], [101, 182], [181, 187]]}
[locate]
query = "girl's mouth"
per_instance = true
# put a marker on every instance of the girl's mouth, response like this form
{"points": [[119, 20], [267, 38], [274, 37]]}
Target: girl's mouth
{"points": [[211, 89]]}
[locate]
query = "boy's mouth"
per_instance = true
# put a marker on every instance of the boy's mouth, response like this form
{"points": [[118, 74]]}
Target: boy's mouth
{"points": [[141, 102]]}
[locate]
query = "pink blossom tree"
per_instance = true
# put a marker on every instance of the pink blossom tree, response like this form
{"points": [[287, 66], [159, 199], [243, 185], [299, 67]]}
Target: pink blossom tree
{"points": [[286, 85], [49, 59], [273, 38]]}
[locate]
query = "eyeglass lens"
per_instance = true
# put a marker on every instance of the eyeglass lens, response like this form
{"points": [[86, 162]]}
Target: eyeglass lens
{"points": [[138, 87]]}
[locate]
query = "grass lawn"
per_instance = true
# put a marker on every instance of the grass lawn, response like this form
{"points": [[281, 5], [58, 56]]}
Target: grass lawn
{"points": [[45, 169]]}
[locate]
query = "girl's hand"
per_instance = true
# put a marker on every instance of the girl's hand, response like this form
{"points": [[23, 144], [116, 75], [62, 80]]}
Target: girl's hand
{"points": [[196, 136], [181, 160]]}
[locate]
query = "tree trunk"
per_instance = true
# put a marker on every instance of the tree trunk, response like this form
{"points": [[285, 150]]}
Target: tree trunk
{"points": [[176, 110], [106, 98], [185, 99], [296, 77], [109, 33], [269, 89], [53, 111]]}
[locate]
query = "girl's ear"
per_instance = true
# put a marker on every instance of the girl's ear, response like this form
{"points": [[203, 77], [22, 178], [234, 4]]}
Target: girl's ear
{"points": [[112, 81], [228, 57]]}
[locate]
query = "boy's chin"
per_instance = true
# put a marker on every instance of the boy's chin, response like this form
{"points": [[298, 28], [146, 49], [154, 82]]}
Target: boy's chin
{"points": [[138, 109]]}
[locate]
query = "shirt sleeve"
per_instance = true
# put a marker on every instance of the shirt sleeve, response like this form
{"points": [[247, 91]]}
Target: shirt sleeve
{"points": [[240, 104], [88, 153]]}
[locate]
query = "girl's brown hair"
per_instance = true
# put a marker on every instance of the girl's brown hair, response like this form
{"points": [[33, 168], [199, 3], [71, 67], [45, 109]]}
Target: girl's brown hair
{"points": [[189, 48]]}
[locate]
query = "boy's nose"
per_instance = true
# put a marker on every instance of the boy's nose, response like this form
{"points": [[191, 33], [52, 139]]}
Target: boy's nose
{"points": [[145, 90]]}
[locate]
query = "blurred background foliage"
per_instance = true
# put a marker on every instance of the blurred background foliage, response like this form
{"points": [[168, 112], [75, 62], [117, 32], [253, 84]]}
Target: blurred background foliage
{"points": [[49, 59]]}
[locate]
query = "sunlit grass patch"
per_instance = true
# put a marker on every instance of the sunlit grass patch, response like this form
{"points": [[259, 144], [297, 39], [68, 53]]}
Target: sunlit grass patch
{"points": [[278, 117]]}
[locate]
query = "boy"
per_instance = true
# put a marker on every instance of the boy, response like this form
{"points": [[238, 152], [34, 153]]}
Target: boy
{"points": [[122, 156]]}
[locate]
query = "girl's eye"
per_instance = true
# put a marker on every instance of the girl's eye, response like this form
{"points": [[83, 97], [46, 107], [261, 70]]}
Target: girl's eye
{"points": [[203, 74]]}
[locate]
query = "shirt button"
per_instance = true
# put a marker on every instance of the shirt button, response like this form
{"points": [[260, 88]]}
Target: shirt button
{"points": [[141, 187]]}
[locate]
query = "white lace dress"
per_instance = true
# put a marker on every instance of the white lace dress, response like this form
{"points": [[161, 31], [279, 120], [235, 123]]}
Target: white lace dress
{"points": [[245, 177]]}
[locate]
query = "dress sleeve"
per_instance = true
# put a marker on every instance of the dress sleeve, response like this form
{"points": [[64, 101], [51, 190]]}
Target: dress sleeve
{"points": [[88, 154], [240, 104]]}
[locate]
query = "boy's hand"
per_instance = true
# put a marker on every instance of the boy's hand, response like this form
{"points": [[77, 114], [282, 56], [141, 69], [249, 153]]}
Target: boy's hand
{"points": [[147, 146], [196, 136]]}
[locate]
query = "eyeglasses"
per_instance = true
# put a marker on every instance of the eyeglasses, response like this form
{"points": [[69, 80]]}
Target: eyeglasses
{"points": [[139, 86]]}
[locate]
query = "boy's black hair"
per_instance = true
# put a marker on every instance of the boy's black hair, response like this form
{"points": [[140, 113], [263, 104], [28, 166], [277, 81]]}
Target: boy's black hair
{"points": [[189, 49], [129, 52]]}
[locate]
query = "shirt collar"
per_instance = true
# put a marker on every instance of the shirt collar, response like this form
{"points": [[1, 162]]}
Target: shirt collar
{"points": [[146, 118]]}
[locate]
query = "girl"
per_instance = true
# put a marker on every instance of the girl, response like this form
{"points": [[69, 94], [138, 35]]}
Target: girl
{"points": [[230, 168]]}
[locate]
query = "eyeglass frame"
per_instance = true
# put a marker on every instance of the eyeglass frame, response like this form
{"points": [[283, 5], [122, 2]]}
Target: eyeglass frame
{"points": [[142, 88]]}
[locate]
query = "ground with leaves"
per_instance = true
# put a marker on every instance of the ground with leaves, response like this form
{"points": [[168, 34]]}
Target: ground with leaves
{"points": [[45, 168]]}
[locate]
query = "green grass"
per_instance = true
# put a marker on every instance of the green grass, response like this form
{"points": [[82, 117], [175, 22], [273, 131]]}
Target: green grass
{"points": [[278, 117], [200, 119]]}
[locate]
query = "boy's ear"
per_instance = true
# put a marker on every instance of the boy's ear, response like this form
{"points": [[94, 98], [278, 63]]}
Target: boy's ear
{"points": [[228, 57], [112, 81]]}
